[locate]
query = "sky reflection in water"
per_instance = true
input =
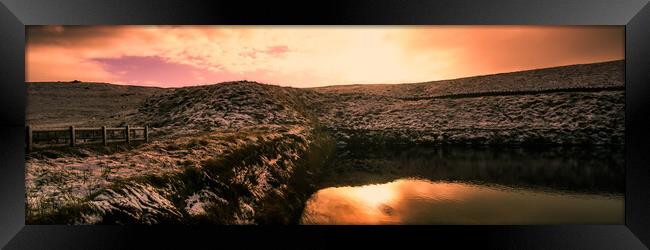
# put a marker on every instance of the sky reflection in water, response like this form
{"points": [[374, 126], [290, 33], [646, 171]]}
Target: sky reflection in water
{"points": [[420, 201]]}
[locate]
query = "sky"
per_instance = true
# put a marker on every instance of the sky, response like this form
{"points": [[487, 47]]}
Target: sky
{"points": [[306, 56]]}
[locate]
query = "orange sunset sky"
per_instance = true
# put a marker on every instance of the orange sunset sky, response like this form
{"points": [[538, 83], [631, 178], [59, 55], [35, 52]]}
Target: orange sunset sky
{"points": [[306, 56]]}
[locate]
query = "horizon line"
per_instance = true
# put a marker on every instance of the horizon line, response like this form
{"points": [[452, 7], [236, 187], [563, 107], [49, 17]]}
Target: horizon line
{"points": [[332, 85]]}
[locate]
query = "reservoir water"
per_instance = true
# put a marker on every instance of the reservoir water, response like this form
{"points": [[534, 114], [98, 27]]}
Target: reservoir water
{"points": [[470, 186]]}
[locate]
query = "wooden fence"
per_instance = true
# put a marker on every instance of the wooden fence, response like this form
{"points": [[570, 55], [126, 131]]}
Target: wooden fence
{"points": [[72, 136]]}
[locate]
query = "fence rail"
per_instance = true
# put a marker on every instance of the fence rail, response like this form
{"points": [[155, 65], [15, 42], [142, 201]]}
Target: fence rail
{"points": [[75, 136]]}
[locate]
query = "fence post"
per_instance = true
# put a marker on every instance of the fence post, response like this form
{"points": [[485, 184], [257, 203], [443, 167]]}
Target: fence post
{"points": [[104, 135], [146, 133], [128, 135], [72, 136], [29, 139]]}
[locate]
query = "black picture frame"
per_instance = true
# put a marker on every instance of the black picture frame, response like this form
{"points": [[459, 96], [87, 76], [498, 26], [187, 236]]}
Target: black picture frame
{"points": [[634, 15]]}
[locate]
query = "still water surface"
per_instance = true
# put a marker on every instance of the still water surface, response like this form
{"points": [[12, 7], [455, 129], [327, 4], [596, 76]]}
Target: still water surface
{"points": [[430, 186]]}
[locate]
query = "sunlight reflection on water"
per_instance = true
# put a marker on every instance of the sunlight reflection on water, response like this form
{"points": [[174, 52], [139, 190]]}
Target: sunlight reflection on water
{"points": [[420, 201]]}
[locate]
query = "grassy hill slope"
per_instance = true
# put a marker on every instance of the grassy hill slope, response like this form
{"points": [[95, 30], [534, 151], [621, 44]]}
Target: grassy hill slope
{"points": [[605, 74], [58, 104]]}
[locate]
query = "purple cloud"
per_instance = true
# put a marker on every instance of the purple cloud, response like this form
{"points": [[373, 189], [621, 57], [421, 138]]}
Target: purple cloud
{"points": [[155, 71]]}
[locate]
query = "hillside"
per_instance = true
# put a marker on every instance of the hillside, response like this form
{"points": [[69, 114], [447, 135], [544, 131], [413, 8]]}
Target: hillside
{"points": [[393, 114], [187, 180], [206, 141], [558, 118], [228, 105], [227, 153], [60, 104], [576, 117], [605, 74]]}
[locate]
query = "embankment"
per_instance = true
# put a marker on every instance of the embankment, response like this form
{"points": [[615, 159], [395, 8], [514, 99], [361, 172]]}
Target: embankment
{"points": [[264, 182]]}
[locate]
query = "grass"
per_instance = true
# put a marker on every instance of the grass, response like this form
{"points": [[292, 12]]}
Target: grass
{"points": [[94, 103], [81, 151], [66, 214], [232, 176], [286, 208], [606, 74], [559, 118]]}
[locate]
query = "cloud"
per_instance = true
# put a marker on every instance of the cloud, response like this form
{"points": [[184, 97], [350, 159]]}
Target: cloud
{"points": [[475, 50], [276, 50], [156, 71], [305, 55], [53, 64]]}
